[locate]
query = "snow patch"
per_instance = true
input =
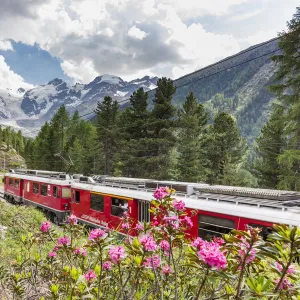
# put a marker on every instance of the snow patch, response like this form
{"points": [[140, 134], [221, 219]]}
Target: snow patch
{"points": [[42, 93], [121, 94], [110, 79]]}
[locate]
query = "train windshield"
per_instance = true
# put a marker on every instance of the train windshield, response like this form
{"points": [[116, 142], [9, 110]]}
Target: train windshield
{"points": [[66, 192]]}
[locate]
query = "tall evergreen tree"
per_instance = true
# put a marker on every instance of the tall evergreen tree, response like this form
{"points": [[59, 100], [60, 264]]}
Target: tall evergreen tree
{"points": [[192, 119], [107, 131], [133, 124], [270, 145], [162, 130], [224, 148], [288, 92]]}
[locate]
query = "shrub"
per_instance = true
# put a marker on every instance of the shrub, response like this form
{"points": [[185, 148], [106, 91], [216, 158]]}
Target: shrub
{"points": [[161, 262]]}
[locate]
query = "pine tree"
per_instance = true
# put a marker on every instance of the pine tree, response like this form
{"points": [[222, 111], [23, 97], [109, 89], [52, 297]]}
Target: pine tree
{"points": [[107, 131], [270, 145], [162, 131], [133, 124], [288, 92], [192, 119], [224, 148]]}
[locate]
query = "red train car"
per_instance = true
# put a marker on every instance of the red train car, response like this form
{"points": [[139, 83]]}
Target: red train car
{"points": [[100, 206], [49, 191], [218, 209], [13, 188]]}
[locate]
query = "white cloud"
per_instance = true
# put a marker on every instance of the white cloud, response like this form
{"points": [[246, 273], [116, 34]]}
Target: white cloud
{"points": [[260, 36], [123, 37], [6, 45], [84, 72], [136, 33], [9, 79]]}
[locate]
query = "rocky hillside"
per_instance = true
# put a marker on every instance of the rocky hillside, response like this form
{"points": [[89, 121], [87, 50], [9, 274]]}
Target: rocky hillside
{"points": [[237, 85], [9, 158]]}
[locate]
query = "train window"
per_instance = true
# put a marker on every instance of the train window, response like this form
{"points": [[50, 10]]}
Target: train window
{"points": [[210, 226], [77, 196], [35, 188], [118, 207], [56, 191], [97, 202], [143, 209], [28, 186], [11, 182], [17, 183], [66, 192], [44, 189]]}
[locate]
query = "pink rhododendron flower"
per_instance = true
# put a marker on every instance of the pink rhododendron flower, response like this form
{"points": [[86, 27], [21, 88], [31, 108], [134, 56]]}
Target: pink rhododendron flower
{"points": [[125, 226], [164, 245], [152, 262], [188, 221], [106, 265], [80, 251], [219, 241], [72, 220], [45, 227], [198, 242], [285, 284], [155, 223], [161, 193], [166, 270], [244, 250], [52, 254], [64, 241], [211, 255], [90, 275], [56, 248], [291, 269], [116, 253], [148, 242], [139, 226], [172, 221], [178, 204], [96, 234]]}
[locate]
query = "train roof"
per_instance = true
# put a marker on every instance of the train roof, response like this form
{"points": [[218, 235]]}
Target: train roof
{"points": [[268, 210], [43, 179]]}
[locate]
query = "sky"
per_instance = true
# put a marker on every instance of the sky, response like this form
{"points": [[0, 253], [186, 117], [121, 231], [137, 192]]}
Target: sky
{"points": [[77, 40]]}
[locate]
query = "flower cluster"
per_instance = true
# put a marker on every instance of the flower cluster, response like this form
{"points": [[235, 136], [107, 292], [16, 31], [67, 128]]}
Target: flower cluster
{"points": [[139, 227], [148, 242], [285, 284], [161, 193], [89, 276], [96, 234], [116, 254], [245, 250], [80, 251], [106, 265], [45, 227], [178, 204], [72, 220], [152, 262], [210, 253], [166, 270], [291, 269], [172, 221], [125, 226], [63, 241]]}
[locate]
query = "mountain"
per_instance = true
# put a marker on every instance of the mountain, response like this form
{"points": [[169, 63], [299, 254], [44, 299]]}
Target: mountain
{"points": [[29, 110], [236, 84]]}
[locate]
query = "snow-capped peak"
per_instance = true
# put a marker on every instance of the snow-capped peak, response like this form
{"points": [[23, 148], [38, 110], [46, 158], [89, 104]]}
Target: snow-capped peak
{"points": [[112, 79]]}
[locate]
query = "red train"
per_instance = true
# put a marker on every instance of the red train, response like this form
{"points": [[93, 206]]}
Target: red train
{"points": [[219, 209]]}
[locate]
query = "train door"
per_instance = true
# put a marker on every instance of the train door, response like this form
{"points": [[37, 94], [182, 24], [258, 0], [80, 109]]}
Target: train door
{"points": [[143, 211]]}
